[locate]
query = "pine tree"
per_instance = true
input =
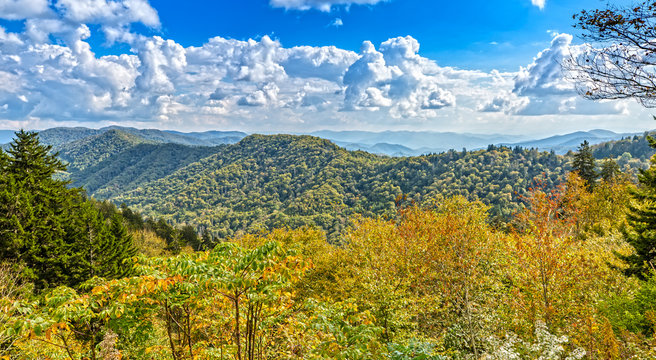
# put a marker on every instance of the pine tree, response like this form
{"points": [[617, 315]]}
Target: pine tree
{"points": [[122, 248], [188, 236], [610, 170], [642, 222], [36, 208], [58, 236], [584, 164]]}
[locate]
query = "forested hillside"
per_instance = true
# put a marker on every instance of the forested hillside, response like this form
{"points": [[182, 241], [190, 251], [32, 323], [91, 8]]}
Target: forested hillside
{"points": [[633, 151], [265, 182], [284, 180], [136, 166], [431, 280], [91, 150]]}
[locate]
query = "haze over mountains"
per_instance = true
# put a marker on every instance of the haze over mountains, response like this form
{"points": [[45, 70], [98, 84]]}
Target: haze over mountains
{"points": [[391, 143]]}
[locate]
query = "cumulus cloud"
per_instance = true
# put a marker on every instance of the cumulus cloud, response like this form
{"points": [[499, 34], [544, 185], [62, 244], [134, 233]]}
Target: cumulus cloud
{"points": [[49, 74], [23, 9], [266, 95], [322, 5], [108, 12], [538, 3], [337, 22], [543, 88], [545, 75], [395, 76]]}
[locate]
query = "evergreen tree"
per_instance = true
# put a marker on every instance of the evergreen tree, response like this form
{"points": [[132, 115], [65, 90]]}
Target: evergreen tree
{"points": [[53, 232], [610, 170], [584, 164], [642, 222], [122, 248], [188, 236], [36, 225], [207, 241]]}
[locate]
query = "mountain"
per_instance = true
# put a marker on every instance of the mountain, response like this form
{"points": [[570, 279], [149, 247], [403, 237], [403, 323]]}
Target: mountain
{"points": [[426, 140], [63, 135], [380, 149], [59, 136], [90, 150], [136, 166], [6, 136], [391, 143], [561, 144], [268, 181], [214, 137]]}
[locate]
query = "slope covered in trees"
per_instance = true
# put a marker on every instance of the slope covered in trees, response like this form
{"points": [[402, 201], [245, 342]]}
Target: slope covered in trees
{"points": [[435, 281], [93, 149], [285, 180], [136, 166], [626, 151]]}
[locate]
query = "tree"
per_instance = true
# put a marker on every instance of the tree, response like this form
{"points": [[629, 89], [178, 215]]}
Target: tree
{"points": [[610, 170], [623, 67], [36, 224], [584, 164], [53, 231], [641, 219]]}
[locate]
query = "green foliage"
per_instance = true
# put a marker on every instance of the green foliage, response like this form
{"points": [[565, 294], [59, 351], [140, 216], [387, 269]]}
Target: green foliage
{"points": [[266, 182], [584, 163], [641, 220], [634, 312], [415, 350], [135, 166], [610, 170], [91, 150], [59, 236]]}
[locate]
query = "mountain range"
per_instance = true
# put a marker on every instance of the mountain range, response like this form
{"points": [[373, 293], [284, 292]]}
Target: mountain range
{"points": [[391, 143], [250, 182]]}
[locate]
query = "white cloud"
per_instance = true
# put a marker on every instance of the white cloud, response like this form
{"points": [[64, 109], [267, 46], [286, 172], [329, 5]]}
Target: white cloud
{"points": [[50, 75], [322, 5], [266, 95], [23, 9], [108, 12], [542, 88], [337, 22], [545, 75], [538, 3], [395, 77]]}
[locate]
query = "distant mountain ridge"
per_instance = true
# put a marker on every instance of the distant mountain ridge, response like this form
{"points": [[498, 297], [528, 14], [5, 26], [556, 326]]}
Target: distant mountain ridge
{"points": [[64, 135], [561, 144], [390, 143], [418, 141]]}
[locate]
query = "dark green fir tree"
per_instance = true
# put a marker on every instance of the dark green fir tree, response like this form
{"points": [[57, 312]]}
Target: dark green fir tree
{"points": [[584, 164], [48, 229], [610, 170], [642, 222]]}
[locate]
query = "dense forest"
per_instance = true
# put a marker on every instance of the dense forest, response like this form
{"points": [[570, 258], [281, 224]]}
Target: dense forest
{"points": [[267, 182], [429, 276]]}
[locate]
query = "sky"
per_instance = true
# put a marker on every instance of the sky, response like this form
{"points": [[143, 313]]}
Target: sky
{"points": [[477, 66]]}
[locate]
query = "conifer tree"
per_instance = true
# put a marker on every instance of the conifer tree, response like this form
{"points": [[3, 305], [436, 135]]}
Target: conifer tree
{"points": [[584, 164], [610, 170], [36, 208], [122, 248], [642, 222], [53, 232]]}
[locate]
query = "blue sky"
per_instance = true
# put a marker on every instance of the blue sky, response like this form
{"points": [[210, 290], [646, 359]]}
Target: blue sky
{"points": [[299, 65], [475, 34]]}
